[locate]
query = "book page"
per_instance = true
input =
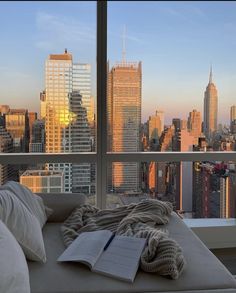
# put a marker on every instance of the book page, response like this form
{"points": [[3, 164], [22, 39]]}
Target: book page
{"points": [[121, 258], [87, 247]]}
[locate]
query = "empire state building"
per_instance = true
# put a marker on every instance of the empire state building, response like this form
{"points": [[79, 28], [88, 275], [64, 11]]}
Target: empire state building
{"points": [[210, 109]]}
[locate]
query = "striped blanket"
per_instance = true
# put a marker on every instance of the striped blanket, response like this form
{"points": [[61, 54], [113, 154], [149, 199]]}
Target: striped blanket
{"points": [[145, 219]]}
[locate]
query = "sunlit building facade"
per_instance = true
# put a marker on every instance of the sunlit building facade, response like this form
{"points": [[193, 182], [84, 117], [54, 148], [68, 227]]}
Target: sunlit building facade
{"points": [[66, 118], [124, 121], [43, 181], [17, 124], [210, 109], [232, 113], [195, 124]]}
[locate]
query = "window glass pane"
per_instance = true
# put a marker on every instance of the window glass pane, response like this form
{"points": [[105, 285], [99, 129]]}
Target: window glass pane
{"points": [[51, 178], [170, 85], [196, 189], [48, 83]]}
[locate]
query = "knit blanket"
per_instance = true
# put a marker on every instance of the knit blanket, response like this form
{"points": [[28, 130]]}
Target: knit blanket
{"points": [[145, 219]]}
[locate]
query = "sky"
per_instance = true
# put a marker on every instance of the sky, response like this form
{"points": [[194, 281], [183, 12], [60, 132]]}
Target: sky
{"points": [[175, 41]]}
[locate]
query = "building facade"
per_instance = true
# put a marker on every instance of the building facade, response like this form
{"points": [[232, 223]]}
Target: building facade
{"points": [[233, 119], [124, 122], [210, 109], [214, 187], [155, 129], [184, 142], [17, 124], [37, 142], [32, 117], [42, 105], [195, 124], [6, 146], [66, 122], [232, 113], [43, 181]]}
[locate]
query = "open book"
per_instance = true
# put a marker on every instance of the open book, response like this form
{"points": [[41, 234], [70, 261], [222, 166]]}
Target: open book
{"points": [[105, 253]]}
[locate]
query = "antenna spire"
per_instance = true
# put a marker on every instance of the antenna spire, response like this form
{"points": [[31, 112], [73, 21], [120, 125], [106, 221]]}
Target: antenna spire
{"points": [[123, 45], [210, 77]]}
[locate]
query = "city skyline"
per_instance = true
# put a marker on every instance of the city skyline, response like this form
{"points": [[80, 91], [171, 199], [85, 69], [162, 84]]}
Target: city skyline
{"points": [[175, 62]]}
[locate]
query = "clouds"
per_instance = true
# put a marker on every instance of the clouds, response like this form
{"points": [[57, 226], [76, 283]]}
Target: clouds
{"points": [[128, 37], [55, 31], [187, 13]]}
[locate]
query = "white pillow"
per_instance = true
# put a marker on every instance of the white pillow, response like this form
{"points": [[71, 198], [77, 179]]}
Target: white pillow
{"points": [[33, 202], [14, 274], [23, 225]]}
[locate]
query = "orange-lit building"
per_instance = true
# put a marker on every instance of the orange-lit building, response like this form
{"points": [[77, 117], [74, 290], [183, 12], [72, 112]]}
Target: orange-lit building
{"points": [[124, 121], [195, 124], [17, 124], [67, 98], [210, 109]]}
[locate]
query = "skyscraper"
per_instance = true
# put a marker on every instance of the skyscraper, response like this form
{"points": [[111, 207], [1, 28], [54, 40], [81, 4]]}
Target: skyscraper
{"points": [[42, 105], [155, 127], [177, 124], [232, 113], [195, 124], [32, 116], [157, 171], [81, 82], [124, 121], [210, 109], [184, 143], [67, 127], [37, 142], [233, 119]]}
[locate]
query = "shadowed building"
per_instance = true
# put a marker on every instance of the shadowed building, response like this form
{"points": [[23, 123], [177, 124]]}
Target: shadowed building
{"points": [[233, 119], [32, 116], [184, 142], [155, 128], [17, 124], [37, 144], [6, 146]]}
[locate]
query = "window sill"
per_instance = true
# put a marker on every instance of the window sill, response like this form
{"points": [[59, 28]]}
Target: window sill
{"points": [[214, 233]]}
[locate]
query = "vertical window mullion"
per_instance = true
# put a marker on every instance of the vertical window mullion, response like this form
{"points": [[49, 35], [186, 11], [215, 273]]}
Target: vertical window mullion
{"points": [[101, 174]]}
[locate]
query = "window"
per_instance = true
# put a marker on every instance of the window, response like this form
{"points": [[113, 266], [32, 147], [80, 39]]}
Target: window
{"points": [[122, 145], [171, 90], [50, 101]]}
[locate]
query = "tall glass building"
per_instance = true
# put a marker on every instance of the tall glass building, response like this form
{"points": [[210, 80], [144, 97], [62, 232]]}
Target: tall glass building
{"points": [[124, 122], [67, 93]]}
